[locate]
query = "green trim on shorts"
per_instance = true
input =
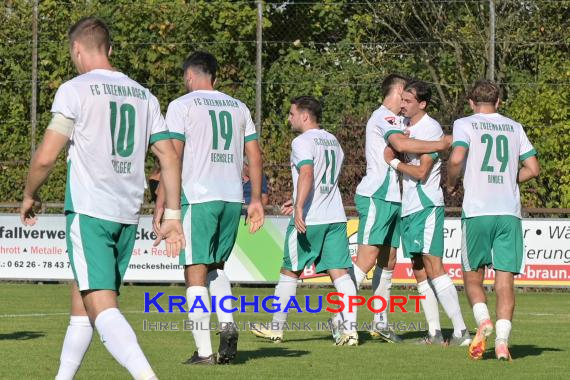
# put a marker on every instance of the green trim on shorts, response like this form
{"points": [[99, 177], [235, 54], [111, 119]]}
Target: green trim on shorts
{"points": [[492, 240], [379, 221], [99, 251], [68, 203], [422, 232], [210, 229], [390, 133], [164, 135], [325, 245], [177, 136], [251, 137], [528, 154], [304, 162], [460, 143]]}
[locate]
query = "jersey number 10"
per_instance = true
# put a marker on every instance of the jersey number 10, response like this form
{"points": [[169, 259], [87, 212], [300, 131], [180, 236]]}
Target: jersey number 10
{"points": [[124, 142]]}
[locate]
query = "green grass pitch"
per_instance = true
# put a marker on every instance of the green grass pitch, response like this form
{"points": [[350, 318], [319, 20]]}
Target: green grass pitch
{"points": [[33, 321]]}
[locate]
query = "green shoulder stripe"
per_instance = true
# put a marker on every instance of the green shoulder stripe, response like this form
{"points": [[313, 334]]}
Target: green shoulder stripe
{"points": [[528, 154], [460, 143], [164, 135]]}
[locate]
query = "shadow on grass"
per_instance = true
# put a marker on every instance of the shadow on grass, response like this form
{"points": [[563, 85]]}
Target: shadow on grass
{"points": [[244, 356], [22, 335], [519, 351]]}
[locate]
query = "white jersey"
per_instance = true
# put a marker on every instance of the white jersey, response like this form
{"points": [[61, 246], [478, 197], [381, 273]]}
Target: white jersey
{"points": [[417, 195], [381, 181], [115, 118], [496, 144], [321, 149], [215, 128]]}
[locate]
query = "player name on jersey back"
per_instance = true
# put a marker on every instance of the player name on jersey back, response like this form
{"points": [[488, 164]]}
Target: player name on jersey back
{"points": [[215, 128], [495, 145]]}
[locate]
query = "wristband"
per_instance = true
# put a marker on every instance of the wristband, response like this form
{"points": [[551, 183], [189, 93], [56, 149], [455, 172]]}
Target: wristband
{"points": [[171, 214], [394, 163]]}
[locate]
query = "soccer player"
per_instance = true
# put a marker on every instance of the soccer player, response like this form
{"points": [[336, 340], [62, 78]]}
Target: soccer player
{"points": [[211, 130], [317, 230], [378, 199], [109, 120], [422, 218], [489, 146]]}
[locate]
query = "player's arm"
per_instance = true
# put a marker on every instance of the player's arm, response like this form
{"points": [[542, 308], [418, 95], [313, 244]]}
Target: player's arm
{"points": [[169, 159], [255, 212], [454, 166], [55, 139], [530, 169], [304, 186], [403, 144], [419, 172]]}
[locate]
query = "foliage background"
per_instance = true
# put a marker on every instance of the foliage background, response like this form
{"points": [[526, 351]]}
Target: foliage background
{"points": [[336, 50]]}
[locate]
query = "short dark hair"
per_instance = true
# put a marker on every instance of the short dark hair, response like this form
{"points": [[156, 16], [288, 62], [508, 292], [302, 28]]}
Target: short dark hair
{"points": [[202, 61], [91, 32], [484, 91], [390, 82], [420, 89], [309, 104]]}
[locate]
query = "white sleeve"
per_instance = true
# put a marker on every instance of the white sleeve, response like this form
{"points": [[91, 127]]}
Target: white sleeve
{"points": [[526, 148], [158, 130], [460, 135], [250, 131], [176, 120], [67, 102], [387, 125], [301, 152]]}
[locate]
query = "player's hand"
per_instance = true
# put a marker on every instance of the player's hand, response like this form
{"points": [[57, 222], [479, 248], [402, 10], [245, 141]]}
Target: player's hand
{"points": [[446, 142], [27, 215], [389, 154], [287, 208], [158, 208], [299, 221], [157, 217], [255, 216], [171, 232]]}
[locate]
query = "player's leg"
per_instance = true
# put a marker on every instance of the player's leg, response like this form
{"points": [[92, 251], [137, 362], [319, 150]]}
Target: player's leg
{"points": [[508, 260], [368, 238], [200, 223], [101, 252], [297, 254], [219, 284], [285, 290], [334, 258], [382, 286], [431, 238], [477, 235], [77, 338], [429, 304]]}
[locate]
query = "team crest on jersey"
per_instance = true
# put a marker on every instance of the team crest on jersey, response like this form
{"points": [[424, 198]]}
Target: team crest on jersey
{"points": [[390, 119]]}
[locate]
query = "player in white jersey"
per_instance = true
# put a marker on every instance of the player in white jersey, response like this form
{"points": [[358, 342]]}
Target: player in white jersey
{"points": [[317, 230], [423, 216], [378, 199], [489, 147], [109, 120], [211, 130]]}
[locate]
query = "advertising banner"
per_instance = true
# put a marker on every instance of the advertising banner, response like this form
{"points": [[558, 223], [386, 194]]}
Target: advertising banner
{"points": [[39, 253]]}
